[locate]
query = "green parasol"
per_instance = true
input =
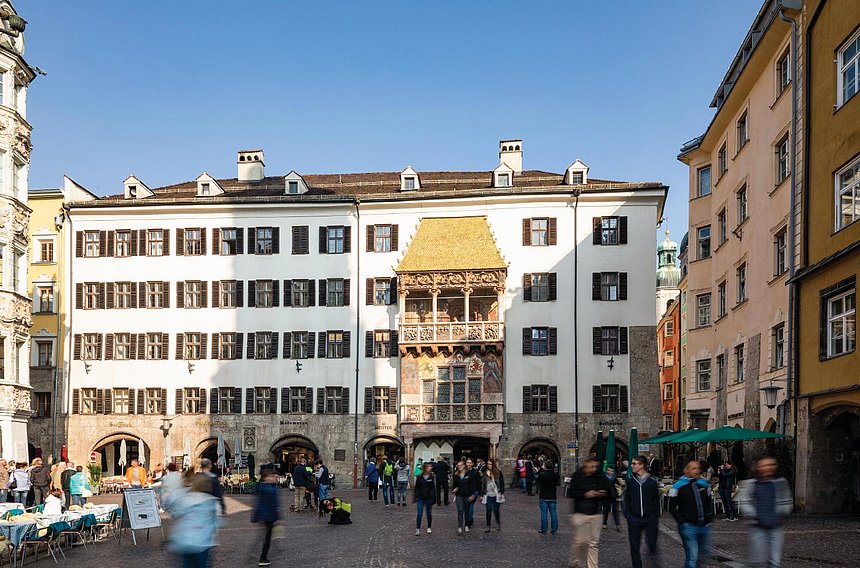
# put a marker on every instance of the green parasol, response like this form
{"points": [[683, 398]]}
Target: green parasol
{"points": [[728, 434], [659, 437], [610, 451], [632, 450]]}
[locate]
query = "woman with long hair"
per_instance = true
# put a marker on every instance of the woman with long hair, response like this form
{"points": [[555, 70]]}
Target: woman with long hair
{"points": [[493, 490], [425, 496], [465, 490]]}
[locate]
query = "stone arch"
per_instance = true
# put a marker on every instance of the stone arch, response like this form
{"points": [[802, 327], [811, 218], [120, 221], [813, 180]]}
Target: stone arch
{"points": [[386, 440], [109, 446], [286, 450]]}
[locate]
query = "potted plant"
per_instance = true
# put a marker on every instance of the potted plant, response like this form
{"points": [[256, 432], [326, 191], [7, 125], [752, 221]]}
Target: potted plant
{"points": [[95, 476]]}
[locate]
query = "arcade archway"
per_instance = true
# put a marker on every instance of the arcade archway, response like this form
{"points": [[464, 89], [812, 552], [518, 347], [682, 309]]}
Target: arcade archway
{"points": [[110, 449], [537, 447], [288, 450], [384, 446]]}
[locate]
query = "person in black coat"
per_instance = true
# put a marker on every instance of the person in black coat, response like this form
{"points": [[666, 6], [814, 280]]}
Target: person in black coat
{"points": [[266, 510], [424, 495], [530, 475], [466, 490], [441, 471], [642, 510], [589, 488], [610, 505]]}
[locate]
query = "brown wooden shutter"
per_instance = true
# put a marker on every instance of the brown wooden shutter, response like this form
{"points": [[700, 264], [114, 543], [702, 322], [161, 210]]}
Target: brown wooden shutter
{"points": [[320, 400], [392, 401], [344, 398], [300, 240], [102, 243], [392, 342], [312, 295], [622, 285], [288, 293], [240, 293], [395, 244], [553, 398], [392, 296], [368, 400], [132, 345], [132, 286], [323, 292], [622, 340], [162, 401], [527, 232], [213, 400], [553, 286], [76, 401], [288, 341], [204, 294], [250, 348], [597, 340], [347, 344], [276, 293], [110, 288], [110, 243], [79, 296], [623, 402], [347, 239], [309, 400], [180, 343], [553, 233], [99, 346], [239, 344], [216, 346], [622, 230], [249, 400], [202, 401], [527, 341], [78, 346], [285, 400], [141, 293], [165, 294], [370, 239], [321, 351], [311, 343], [368, 344], [180, 242], [297, 240], [596, 399], [203, 345], [216, 241], [368, 291], [141, 346], [141, 408], [527, 287], [240, 240], [109, 346], [346, 291], [553, 341], [100, 401], [178, 405], [108, 394], [165, 249], [595, 286], [216, 293], [203, 246], [273, 350], [276, 240], [252, 293], [252, 240], [100, 302], [180, 294], [79, 244], [165, 346], [138, 243], [597, 226], [527, 398], [273, 400]]}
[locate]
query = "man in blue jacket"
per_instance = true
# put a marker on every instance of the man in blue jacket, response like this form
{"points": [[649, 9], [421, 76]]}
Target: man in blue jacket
{"points": [[642, 511], [266, 511], [690, 505]]}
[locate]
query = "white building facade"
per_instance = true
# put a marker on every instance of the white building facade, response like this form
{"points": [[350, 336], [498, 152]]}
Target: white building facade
{"points": [[415, 313]]}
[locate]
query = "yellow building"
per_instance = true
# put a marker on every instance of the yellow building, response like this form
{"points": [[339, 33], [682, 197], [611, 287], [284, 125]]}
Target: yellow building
{"points": [[828, 388], [48, 241]]}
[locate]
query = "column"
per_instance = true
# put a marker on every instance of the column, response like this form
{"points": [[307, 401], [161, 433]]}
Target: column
{"points": [[435, 293], [466, 293]]}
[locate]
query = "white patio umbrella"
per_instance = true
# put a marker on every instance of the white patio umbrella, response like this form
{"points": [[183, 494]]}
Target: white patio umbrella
{"points": [[237, 451], [222, 461], [186, 451], [122, 451], [168, 451], [140, 456]]}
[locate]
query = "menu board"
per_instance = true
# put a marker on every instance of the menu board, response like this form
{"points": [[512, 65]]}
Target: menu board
{"points": [[141, 509]]}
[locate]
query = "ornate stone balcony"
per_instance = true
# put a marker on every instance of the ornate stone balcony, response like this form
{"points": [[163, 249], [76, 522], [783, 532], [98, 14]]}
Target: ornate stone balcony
{"points": [[451, 332], [480, 412]]}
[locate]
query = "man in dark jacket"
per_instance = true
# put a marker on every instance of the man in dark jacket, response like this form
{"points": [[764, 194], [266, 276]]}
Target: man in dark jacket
{"points": [[266, 510], [300, 482], [217, 489], [441, 471], [40, 479], [589, 488], [690, 505], [547, 486], [642, 511], [65, 480]]}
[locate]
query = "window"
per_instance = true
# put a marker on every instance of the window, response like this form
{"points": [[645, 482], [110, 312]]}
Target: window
{"points": [[334, 395], [91, 296], [848, 195], [194, 294], [610, 396], [43, 404], [722, 161], [742, 283], [721, 370], [668, 391], [703, 306], [153, 346], [121, 401], [576, 178], [743, 131], [44, 353], [88, 401], [155, 242], [92, 243], [45, 298], [408, 183], [193, 242], [155, 295], [300, 293], [334, 292], [609, 344], [540, 287], [721, 226], [669, 358], [122, 346], [191, 400], [783, 73], [721, 299], [227, 403], [382, 343], [669, 329], [263, 348], [263, 401], [704, 238], [192, 348], [132, 191], [703, 375], [848, 65], [778, 335], [264, 295], [227, 294], [504, 180], [539, 232], [608, 286], [382, 234], [92, 346], [122, 244], [299, 345], [704, 181], [292, 187], [204, 189], [229, 241], [46, 250], [227, 346], [779, 250], [380, 399], [609, 231], [539, 398], [334, 345], [298, 400], [381, 291], [742, 204], [152, 401], [841, 323], [334, 240], [540, 341], [265, 240], [781, 157], [739, 364]]}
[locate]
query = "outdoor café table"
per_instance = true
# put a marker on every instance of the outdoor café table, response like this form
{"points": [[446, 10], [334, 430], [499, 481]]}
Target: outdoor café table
{"points": [[10, 507], [15, 531]]}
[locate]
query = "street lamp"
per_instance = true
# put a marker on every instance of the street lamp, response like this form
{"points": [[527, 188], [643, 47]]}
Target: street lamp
{"points": [[770, 393]]}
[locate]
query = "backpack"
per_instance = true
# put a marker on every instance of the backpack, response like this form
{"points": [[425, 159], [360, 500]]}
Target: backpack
{"points": [[388, 470]]}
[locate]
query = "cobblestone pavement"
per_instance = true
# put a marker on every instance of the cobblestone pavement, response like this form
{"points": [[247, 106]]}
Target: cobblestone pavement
{"points": [[384, 537]]}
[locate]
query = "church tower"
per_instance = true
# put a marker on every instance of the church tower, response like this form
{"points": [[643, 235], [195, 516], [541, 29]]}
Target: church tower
{"points": [[668, 274]]}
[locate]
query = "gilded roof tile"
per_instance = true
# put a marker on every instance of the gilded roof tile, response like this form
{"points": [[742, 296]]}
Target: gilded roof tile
{"points": [[452, 243]]}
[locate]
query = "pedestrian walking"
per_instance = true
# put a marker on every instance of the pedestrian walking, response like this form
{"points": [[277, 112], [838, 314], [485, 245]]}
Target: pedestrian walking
{"points": [[79, 486], [690, 505], [589, 488], [610, 505], [19, 483], [521, 473], [425, 495], [266, 511], [40, 480], [441, 471], [766, 501], [529, 465], [547, 488], [312, 490], [194, 514], [388, 482], [493, 491], [300, 483], [371, 476], [728, 481], [465, 490], [217, 490], [65, 479], [404, 476], [655, 466], [641, 506]]}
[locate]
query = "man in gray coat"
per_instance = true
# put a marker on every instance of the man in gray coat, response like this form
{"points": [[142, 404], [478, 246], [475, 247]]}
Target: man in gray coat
{"points": [[765, 502]]}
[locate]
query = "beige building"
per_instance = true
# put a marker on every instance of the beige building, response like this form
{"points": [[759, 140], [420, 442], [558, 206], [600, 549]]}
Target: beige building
{"points": [[740, 190]]}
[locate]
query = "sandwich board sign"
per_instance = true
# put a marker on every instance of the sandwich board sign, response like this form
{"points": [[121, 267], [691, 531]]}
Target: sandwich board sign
{"points": [[139, 512]]}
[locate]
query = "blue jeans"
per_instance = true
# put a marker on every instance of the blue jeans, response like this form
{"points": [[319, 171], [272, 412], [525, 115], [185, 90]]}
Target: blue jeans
{"points": [[388, 490], [323, 492], [21, 496], [465, 511], [79, 500], [196, 560], [766, 546], [422, 505], [548, 506], [402, 486], [493, 510], [522, 484], [696, 540], [4, 493]]}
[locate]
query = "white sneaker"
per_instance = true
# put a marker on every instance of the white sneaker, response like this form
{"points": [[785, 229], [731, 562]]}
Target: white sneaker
{"points": [[417, 532], [467, 529], [429, 530], [459, 530]]}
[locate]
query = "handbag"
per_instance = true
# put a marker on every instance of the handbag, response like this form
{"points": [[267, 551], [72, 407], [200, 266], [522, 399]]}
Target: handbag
{"points": [[484, 500], [86, 493], [500, 498]]}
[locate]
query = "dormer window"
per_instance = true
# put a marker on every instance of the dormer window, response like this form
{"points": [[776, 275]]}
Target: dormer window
{"points": [[504, 180], [294, 184], [132, 191], [207, 186], [204, 189], [409, 183], [409, 180], [136, 189], [576, 174], [293, 187], [576, 178]]}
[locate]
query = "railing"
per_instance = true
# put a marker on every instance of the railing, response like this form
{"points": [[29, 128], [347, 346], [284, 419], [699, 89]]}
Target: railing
{"points": [[456, 332], [476, 412]]}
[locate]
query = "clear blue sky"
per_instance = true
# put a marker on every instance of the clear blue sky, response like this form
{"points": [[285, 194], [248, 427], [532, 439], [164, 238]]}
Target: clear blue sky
{"points": [[166, 90]]}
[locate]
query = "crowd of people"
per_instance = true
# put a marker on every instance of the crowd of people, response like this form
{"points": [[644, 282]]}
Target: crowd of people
{"points": [[35, 484]]}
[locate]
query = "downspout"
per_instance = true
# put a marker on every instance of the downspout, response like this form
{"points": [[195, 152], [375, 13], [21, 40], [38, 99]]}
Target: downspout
{"points": [[68, 338], [576, 194], [357, 204], [56, 379]]}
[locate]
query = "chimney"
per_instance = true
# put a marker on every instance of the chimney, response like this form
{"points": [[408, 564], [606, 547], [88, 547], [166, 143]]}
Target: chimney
{"points": [[251, 165], [511, 154]]}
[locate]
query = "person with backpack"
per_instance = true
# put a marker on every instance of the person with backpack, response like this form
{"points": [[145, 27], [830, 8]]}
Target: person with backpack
{"points": [[388, 481], [371, 476], [403, 473], [266, 511], [424, 495]]}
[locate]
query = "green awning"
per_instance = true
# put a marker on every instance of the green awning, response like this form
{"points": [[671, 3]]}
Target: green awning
{"points": [[731, 434]]}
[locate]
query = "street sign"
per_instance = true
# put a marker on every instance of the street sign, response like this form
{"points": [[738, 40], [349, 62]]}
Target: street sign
{"points": [[94, 457]]}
